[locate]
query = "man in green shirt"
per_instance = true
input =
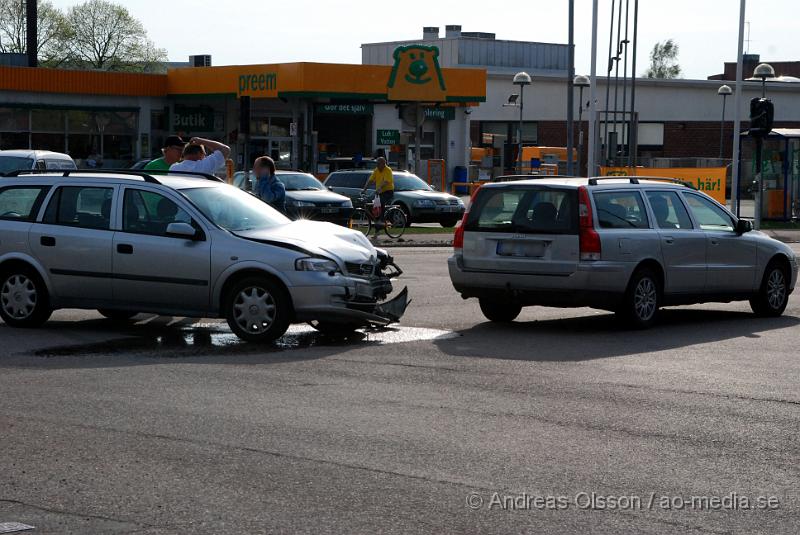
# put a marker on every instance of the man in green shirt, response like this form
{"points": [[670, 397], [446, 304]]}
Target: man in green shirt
{"points": [[173, 148]]}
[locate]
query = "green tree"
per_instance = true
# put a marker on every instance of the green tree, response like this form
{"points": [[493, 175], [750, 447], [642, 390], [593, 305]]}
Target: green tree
{"points": [[664, 61], [105, 36], [51, 26]]}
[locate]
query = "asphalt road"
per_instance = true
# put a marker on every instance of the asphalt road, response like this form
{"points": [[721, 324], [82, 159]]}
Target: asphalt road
{"points": [[446, 424]]}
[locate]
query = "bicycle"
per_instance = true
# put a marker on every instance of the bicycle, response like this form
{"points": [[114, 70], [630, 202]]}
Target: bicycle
{"points": [[393, 219]]}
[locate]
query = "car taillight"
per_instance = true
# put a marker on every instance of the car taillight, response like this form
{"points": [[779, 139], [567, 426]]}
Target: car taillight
{"points": [[458, 236], [588, 236]]}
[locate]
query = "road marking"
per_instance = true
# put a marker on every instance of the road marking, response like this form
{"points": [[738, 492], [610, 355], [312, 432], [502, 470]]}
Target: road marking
{"points": [[13, 527]]}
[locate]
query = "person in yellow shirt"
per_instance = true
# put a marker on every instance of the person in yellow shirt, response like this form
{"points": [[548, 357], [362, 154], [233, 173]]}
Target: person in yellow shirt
{"points": [[384, 182]]}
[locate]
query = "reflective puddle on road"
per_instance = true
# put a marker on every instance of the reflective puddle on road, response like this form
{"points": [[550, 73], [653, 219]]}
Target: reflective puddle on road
{"points": [[204, 338]]}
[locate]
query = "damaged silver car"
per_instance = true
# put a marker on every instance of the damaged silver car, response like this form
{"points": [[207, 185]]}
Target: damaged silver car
{"points": [[183, 245]]}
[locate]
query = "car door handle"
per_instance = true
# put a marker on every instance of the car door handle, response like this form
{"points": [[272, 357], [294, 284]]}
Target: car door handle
{"points": [[714, 242], [47, 241], [669, 240], [124, 248]]}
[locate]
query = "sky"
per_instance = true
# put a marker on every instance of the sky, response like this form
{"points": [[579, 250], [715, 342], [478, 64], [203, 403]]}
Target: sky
{"points": [[268, 31]]}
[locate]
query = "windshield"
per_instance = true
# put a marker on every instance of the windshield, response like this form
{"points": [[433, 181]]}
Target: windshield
{"points": [[233, 209], [410, 183], [300, 181], [15, 163]]}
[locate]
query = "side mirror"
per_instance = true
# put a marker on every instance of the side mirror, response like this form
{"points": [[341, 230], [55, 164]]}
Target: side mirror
{"points": [[743, 225], [182, 230]]}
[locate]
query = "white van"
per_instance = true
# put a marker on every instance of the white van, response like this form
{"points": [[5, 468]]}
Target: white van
{"points": [[42, 160]]}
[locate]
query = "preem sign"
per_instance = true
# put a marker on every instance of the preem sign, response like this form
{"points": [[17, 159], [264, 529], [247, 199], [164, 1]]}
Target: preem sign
{"points": [[264, 84]]}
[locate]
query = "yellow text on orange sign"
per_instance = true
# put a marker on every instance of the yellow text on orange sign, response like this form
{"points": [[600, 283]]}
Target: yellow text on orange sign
{"points": [[710, 180]]}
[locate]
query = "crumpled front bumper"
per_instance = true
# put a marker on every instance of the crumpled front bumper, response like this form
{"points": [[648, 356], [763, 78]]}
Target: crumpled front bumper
{"points": [[351, 300]]}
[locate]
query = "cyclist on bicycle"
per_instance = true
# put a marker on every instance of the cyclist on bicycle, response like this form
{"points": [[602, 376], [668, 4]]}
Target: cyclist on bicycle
{"points": [[384, 183]]}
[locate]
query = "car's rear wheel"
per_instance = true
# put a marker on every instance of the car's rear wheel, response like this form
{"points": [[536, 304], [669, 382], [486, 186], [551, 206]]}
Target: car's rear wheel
{"points": [[773, 296], [447, 223], [258, 309], [498, 311], [117, 315], [24, 301], [642, 300]]}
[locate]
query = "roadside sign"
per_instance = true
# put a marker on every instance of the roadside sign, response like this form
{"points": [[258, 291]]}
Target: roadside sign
{"points": [[388, 137]]}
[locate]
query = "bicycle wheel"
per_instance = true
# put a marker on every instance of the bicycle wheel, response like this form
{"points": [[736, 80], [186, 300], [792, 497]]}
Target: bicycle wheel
{"points": [[361, 221], [395, 221]]}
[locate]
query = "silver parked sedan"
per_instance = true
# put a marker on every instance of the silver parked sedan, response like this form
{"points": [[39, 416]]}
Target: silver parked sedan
{"points": [[626, 245], [182, 245]]}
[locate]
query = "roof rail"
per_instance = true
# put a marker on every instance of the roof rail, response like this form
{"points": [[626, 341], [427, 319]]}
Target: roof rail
{"points": [[633, 179], [147, 176], [67, 172], [669, 179]]}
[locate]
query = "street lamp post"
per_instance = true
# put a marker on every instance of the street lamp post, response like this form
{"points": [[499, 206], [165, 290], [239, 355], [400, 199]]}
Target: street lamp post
{"points": [[763, 71], [580, 82], [521, 79], [724, 91]]}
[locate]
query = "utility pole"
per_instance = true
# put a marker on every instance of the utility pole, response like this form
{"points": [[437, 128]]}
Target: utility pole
{"points": [[31, 14], [570, 96], [737, 107], [592, 154]]}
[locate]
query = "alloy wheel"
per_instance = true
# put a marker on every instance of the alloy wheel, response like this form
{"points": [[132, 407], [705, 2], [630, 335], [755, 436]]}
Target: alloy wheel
{"points": [[254, 309], [776, 288], [645, 298], [18, 296]]}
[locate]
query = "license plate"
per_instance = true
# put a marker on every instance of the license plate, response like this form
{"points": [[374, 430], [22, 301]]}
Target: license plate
{"points": [[329, 210], [524, 249]]}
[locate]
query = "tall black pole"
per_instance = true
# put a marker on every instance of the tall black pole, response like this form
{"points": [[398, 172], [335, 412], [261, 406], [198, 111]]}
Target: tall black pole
{"points": [[580, 128], [608, 84], [31, 9], [634, 141], [570, 96], [625, 117], [616, 78], [722, 127]]}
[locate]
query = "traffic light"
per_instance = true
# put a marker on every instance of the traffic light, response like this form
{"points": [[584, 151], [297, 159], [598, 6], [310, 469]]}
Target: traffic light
{"points": [[761, 114]]}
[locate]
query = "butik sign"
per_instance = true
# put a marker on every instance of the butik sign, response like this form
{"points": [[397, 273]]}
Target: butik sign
{"points": [[198, 119]]}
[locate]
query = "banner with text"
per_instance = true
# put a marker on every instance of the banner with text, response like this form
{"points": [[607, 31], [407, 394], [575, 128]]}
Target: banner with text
{"points": [[710, 180]]}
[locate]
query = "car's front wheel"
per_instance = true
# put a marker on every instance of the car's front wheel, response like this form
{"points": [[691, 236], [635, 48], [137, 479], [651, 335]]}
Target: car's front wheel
{"points": [[773, 296], [258, 309], [24, 301], [640, 305], [499, 312], [447, 223]]}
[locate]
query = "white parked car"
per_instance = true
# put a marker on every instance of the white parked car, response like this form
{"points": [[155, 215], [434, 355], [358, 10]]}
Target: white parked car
{"points": [[27, 159]]}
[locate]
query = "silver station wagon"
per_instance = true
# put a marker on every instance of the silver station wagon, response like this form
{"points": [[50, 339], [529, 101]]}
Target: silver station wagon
{"points": [[186, 245], [626, 245]]}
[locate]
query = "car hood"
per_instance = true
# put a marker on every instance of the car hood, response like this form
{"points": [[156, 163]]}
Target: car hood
{"points": [[316, 196], [317, 238], [421, 194]]}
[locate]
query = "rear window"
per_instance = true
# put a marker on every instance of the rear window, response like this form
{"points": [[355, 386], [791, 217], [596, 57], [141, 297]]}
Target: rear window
{"points": [[620, 209], [540, 210], [21, 203], [346, 180]]}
